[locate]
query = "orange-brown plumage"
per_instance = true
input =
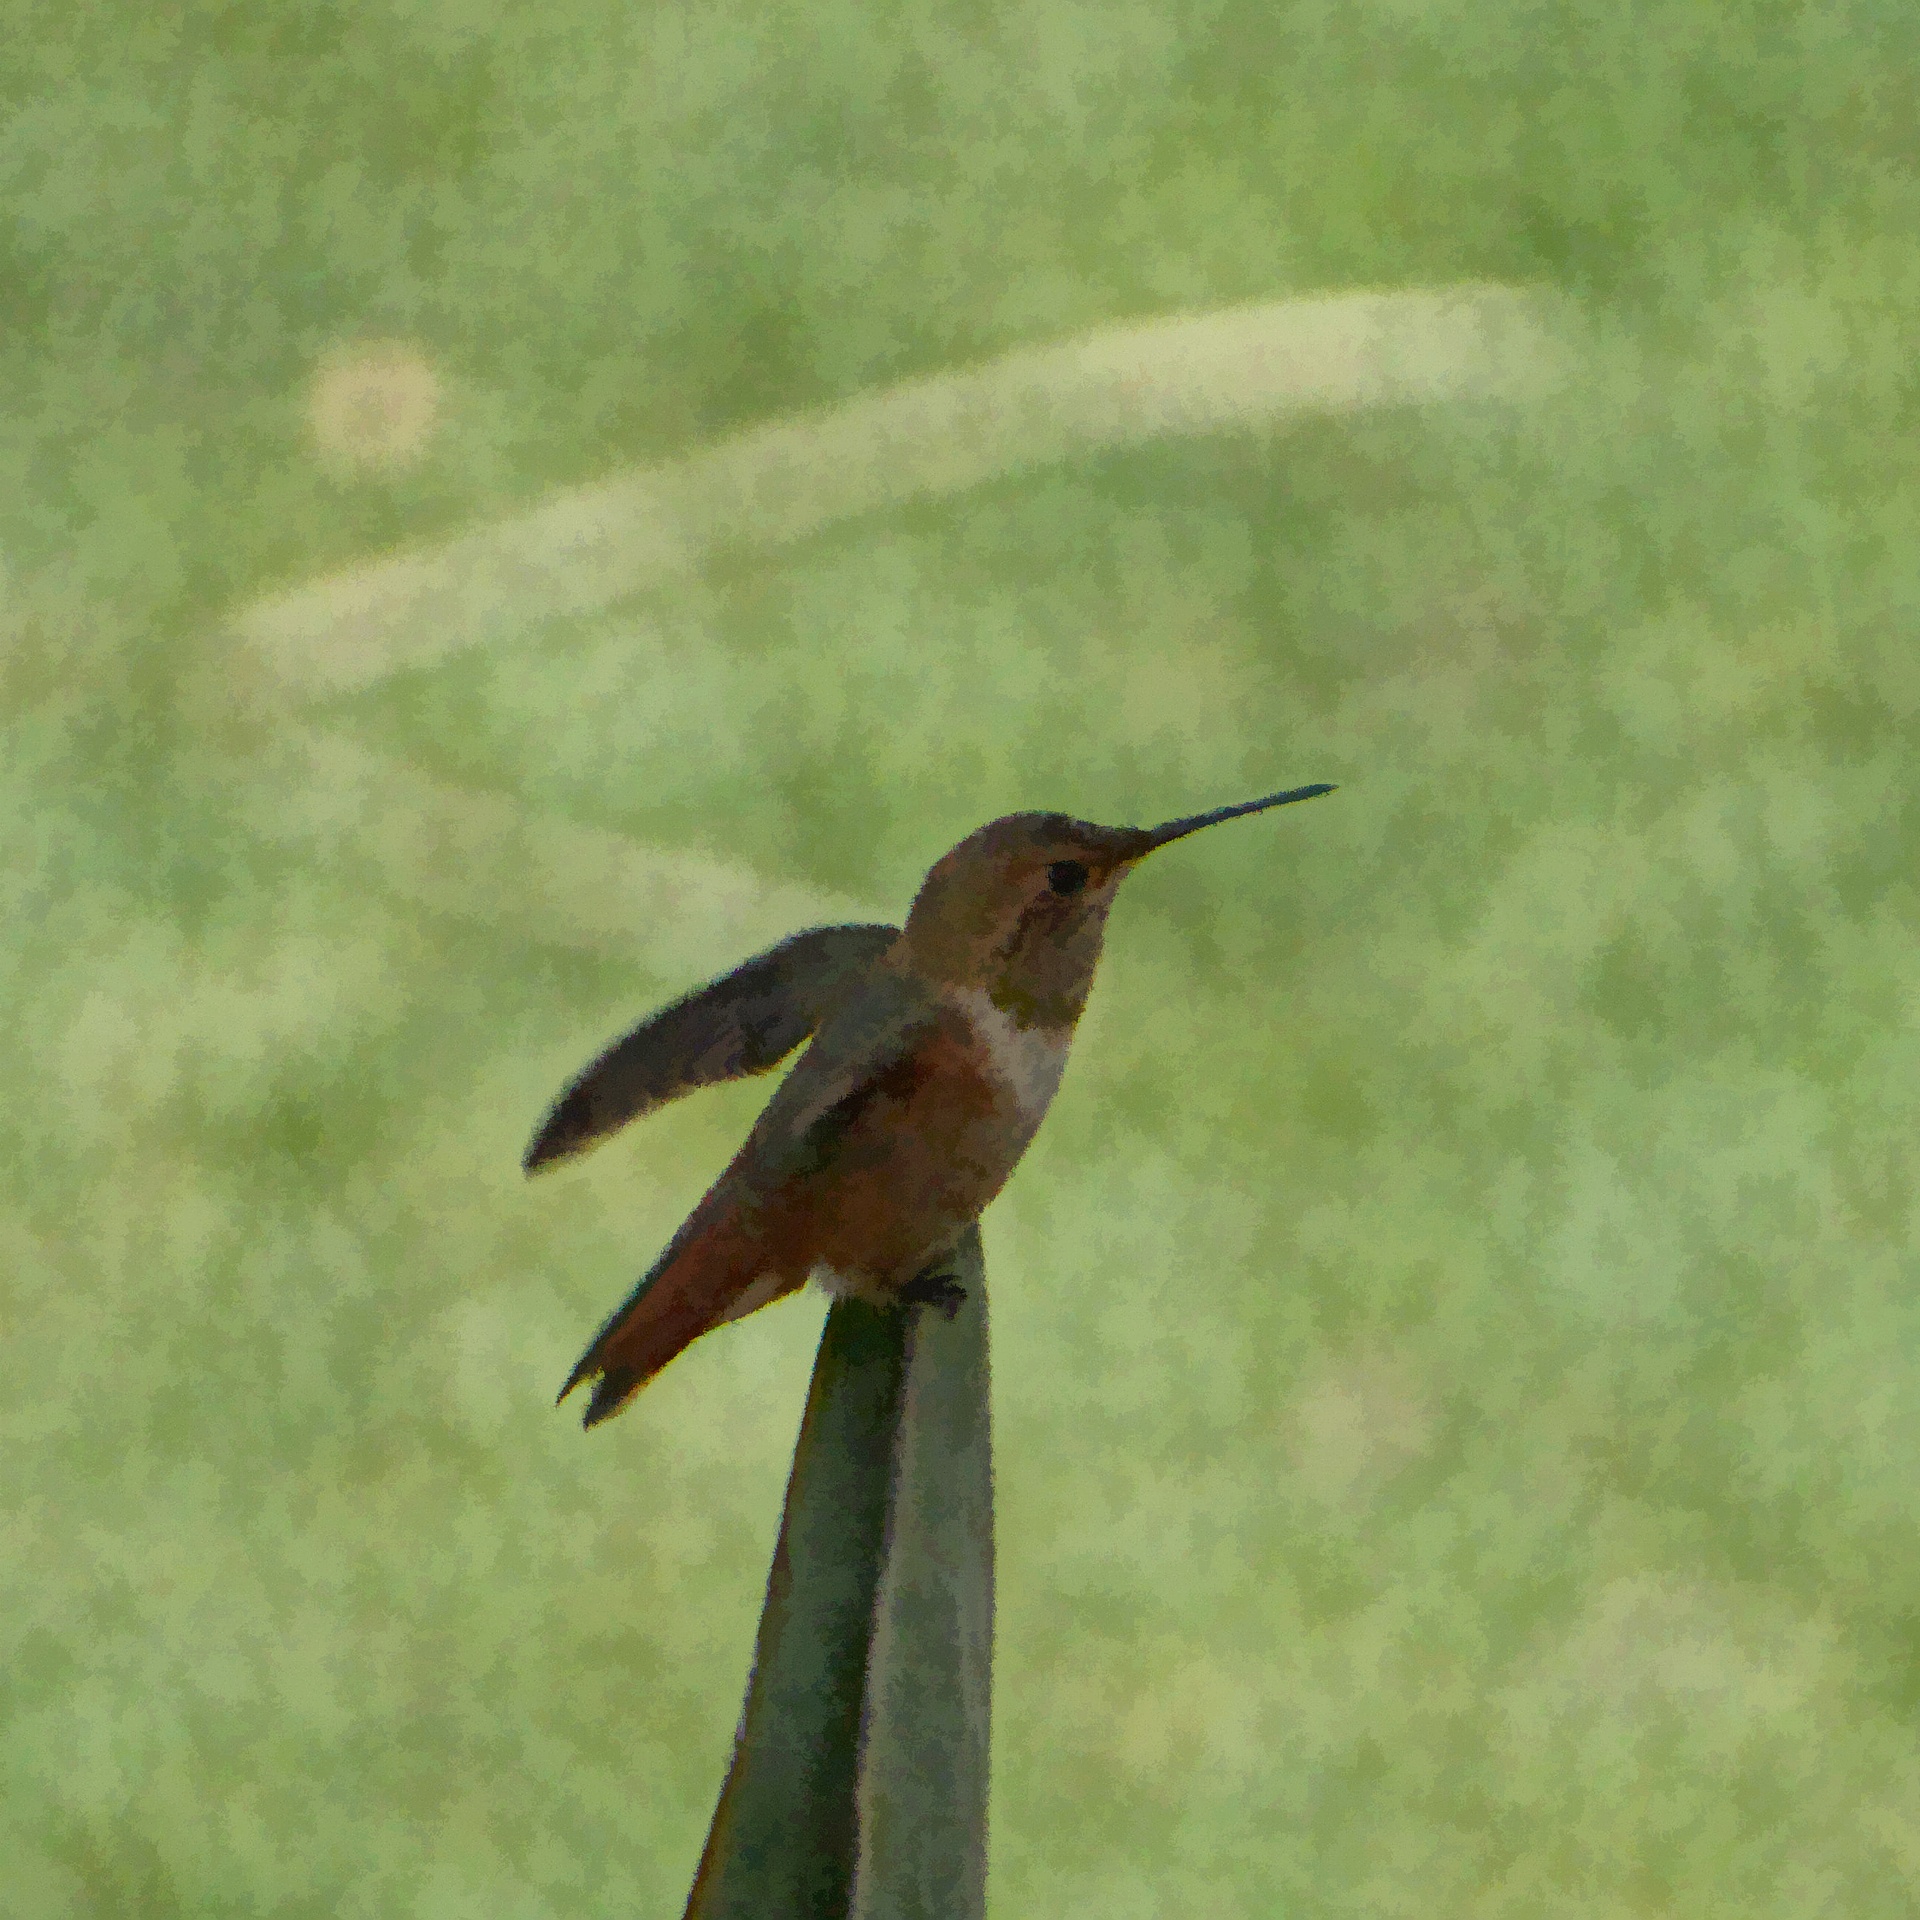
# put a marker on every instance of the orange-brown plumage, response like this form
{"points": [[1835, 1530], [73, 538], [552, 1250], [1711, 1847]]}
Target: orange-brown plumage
{"points": [[935, 1053]]}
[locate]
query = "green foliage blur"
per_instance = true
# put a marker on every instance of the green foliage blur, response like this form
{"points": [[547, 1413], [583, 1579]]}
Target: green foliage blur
{"points": [[1457, 1357]]}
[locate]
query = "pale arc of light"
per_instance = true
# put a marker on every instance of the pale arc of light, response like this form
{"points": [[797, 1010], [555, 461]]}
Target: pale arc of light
{"points": [[1118, 386]]}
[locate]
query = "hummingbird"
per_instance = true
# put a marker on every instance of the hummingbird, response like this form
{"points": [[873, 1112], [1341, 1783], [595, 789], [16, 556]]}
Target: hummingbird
{"points": [[936, 1050]]}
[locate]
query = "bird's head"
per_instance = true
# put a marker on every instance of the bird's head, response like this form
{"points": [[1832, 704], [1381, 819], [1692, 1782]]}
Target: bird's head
{"points": [[1019, 908]]}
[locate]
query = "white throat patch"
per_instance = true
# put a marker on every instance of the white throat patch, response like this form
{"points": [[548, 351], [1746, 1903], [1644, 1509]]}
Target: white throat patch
{"points": [[1028, 1061]]}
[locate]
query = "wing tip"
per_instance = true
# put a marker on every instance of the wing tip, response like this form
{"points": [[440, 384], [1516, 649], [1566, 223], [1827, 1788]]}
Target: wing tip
{"points": [[564, 1131]]}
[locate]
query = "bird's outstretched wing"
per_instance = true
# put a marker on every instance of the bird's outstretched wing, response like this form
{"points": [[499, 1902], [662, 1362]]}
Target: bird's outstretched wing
{"points": [[738, 1248], [744, 1022]]}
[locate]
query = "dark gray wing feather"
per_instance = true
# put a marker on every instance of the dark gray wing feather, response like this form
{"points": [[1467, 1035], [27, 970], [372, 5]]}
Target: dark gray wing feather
{"points": [[744, 1022], [868, 1048]]}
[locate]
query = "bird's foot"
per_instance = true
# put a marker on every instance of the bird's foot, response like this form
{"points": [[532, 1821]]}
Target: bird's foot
{"points": [[934, 1287]]}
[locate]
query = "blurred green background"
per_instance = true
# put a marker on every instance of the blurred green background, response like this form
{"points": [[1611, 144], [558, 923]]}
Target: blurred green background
{"points": [[1457, 1355]]}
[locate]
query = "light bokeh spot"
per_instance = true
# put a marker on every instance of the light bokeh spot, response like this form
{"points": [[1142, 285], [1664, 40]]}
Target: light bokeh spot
{"points": [[373, 407]]}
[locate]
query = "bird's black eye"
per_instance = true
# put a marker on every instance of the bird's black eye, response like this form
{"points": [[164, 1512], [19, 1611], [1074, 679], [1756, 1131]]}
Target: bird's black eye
{"points": [[1066, 876]]}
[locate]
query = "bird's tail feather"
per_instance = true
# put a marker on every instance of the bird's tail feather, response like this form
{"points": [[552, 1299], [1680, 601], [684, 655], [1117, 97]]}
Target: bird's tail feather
{"points": [[690, 1289], [589, 1362], [611, 1392]]}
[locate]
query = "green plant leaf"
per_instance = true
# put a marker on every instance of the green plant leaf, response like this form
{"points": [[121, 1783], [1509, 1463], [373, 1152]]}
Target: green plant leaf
{"points": [[859, 1777]]}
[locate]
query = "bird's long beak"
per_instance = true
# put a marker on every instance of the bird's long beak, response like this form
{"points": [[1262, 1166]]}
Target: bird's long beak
{"points": [[1153, 837]]}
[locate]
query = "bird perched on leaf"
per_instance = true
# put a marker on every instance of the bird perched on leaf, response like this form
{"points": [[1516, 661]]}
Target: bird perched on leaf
{"points": [[936, 1050]]}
